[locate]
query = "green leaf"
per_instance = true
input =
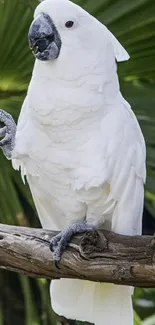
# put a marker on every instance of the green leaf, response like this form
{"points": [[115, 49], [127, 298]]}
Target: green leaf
{"points": [[137, 320], [149, 321], [31, 314]]}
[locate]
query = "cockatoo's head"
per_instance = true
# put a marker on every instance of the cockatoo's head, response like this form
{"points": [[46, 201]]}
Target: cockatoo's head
{"points": [[60, 27]]}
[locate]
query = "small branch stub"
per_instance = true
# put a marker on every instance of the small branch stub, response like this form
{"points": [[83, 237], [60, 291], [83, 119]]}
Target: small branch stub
{"points": [[100, 256]]}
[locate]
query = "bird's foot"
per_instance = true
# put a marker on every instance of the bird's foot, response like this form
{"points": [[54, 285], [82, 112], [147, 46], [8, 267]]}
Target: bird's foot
{"points": [[8, 133], [60, 241]]}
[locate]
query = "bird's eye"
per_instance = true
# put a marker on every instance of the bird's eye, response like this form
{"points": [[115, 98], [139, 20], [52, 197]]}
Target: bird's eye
{"points": [[69, 23]]}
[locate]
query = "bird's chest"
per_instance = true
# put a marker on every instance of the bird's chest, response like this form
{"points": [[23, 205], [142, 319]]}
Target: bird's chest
{"points": [[65, 159], [60, 149], [63, 103], [64, 179]]}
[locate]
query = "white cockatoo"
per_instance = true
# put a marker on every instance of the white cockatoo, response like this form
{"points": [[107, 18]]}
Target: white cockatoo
{"points": [[81, 148]]}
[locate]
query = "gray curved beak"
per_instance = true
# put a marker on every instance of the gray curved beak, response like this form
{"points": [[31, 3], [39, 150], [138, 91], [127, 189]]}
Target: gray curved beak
{"points": [[41, 33], [44, 39]]}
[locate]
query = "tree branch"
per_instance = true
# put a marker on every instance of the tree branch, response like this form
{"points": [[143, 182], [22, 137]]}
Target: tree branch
{"points": [[100, 256]]}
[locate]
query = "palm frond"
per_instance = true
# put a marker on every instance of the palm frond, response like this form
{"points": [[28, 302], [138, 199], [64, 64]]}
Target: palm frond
{"points": [[133, 22]]}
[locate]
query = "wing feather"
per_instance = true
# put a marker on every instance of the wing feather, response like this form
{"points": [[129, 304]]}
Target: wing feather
{"points": [[125, 156]]}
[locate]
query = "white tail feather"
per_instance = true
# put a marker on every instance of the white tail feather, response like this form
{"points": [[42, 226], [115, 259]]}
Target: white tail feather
{"points": [[98, 303]]}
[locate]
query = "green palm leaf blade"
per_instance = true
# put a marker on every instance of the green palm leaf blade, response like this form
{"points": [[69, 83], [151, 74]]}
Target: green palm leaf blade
{"points": [[14, 55]]}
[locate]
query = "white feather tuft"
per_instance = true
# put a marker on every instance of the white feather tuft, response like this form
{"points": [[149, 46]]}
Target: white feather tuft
{"points": [[120, 53]]}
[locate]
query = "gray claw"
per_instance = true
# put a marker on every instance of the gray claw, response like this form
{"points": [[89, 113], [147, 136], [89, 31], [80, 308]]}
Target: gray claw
{"points": [[8, 132], [56, 239], [60, 241]]}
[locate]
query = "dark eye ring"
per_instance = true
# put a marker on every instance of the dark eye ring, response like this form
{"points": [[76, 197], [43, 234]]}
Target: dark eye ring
{"points": [[69, 23]]}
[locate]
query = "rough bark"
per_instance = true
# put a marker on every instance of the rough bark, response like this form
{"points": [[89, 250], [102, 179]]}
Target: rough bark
{"points": [[100, 256]]}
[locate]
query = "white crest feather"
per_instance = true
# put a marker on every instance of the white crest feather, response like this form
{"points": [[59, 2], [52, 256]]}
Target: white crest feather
{"points": [[120, 53]]}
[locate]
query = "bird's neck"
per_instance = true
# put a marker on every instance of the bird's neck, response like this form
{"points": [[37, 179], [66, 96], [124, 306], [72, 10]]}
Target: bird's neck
{"points": [[60, 97], [93, 75]]}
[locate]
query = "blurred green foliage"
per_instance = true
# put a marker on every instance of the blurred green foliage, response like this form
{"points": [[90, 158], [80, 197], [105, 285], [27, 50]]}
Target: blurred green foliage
{"points": [[26, 301]]}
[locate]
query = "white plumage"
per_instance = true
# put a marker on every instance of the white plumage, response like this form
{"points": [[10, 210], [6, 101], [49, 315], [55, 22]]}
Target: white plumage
{"points": [[83, 153]]}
